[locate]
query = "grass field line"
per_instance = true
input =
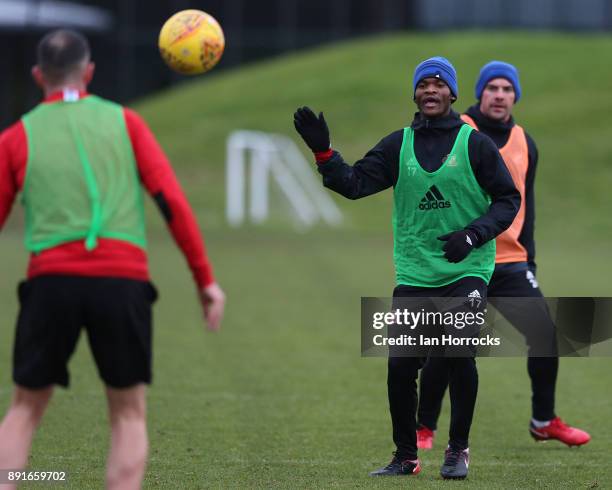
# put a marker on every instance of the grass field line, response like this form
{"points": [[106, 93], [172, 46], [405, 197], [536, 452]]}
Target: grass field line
{"points": [[155, 394], [368, 467], [228, 395], [323, 462]]}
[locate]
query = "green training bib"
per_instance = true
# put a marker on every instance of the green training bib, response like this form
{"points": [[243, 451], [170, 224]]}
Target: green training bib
{"points": [[81, 178], [430, 204]]}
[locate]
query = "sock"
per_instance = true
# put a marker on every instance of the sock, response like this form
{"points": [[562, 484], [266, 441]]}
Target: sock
{"points": [[466, 450], [538, 424]]}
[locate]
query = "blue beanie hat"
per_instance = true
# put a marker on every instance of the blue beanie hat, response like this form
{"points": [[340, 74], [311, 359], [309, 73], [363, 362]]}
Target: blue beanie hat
{"points": [[436, 67], [498, 69]]}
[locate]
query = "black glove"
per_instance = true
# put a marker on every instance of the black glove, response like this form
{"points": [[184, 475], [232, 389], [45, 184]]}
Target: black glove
{"points": [[312, 129], [458, 244]]}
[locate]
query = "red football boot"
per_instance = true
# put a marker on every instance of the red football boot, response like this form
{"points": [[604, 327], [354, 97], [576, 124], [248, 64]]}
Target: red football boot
{"points": [[561, 432], [425, 437]]}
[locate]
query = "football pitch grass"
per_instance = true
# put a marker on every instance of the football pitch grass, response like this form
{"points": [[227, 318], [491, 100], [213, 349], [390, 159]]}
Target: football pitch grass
{"points": [[281, 397]]}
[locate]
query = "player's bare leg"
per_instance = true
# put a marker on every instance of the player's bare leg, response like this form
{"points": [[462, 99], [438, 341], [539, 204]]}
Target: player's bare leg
{"points": [[17, 428], [129, 442]]}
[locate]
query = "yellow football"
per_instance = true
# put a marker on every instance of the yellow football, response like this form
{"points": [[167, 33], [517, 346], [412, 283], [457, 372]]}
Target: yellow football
{"points": [[191, 42]]}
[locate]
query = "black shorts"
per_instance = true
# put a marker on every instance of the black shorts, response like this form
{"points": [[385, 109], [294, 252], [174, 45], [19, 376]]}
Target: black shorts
{"points": [[516, 295], [115, 312], [467, 296]]}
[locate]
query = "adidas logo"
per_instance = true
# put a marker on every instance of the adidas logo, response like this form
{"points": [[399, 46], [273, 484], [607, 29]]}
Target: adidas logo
{"points": [[434, 200], [532, 279], [474, 298]]}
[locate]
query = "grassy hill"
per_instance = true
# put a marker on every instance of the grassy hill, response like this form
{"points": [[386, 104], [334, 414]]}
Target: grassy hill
{"points": [[364, 87], [282, 398]]}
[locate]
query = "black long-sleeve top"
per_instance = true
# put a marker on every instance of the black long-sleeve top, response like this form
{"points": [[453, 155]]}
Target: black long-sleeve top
{"points": [[499, 132], [433, 141]]}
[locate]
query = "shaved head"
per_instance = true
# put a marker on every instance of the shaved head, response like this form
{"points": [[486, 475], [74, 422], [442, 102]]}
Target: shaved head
{"points": [[62, 54]]}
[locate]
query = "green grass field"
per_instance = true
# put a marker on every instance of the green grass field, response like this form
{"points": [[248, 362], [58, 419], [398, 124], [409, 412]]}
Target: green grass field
{"points": [[281, 398]]}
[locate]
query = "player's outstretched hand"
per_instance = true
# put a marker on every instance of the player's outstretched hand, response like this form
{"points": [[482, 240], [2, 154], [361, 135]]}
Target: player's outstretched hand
{"points": [[212, 298], [312, 129], [458, 245]]}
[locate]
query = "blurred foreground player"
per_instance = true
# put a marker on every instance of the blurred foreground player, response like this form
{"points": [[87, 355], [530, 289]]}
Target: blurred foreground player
{"points": [[79, 162]]}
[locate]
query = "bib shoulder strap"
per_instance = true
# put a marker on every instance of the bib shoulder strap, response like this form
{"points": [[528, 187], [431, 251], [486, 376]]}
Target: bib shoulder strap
{"points": [[469, 121]]}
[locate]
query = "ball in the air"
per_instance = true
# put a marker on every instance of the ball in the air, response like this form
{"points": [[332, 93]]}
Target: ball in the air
{"points": [[191, 42]]}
